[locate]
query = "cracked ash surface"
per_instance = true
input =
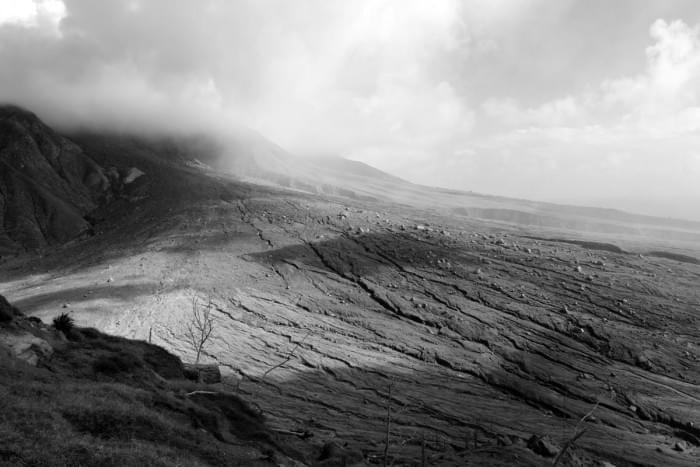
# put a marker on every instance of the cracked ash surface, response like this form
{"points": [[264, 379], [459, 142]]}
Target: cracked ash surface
{"points": [[492, 341]]}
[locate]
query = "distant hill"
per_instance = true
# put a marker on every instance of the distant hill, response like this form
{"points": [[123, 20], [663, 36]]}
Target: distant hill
{"points": [[252, 157]]}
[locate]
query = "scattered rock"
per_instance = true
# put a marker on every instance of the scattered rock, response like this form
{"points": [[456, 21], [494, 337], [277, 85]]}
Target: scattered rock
{"points": [[132, 175], [542, 445], [642, 361], [680, 446]]}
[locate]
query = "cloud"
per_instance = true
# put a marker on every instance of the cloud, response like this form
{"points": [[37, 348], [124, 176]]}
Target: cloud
{"points": [[628, 136], [45, 13], [663, 100], [330, 76], [525, 98]]}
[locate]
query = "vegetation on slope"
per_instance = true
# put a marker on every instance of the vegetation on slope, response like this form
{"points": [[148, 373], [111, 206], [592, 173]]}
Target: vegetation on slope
{"points": [[104, 400]]}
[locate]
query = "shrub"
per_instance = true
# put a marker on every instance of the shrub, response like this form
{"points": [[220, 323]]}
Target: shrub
{"points": [[64, 323]]}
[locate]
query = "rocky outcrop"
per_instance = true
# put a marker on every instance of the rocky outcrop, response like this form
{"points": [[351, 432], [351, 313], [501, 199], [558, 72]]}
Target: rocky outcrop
{"points": [[21, 338], [26, 347], [47, 183]]}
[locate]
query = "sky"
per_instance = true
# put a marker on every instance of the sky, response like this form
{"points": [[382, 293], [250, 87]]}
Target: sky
{"points": [[577, 101]]}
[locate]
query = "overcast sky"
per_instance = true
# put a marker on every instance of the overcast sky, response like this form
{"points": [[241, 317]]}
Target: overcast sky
{"points": [[557, 100]]}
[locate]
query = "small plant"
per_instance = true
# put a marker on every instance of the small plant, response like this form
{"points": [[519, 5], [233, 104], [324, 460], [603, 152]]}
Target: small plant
{"points": [[199, 329], [64, 323]]}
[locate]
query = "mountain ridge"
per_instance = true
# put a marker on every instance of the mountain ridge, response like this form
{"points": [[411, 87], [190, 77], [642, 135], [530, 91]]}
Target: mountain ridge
{"points": [[71, 175]]}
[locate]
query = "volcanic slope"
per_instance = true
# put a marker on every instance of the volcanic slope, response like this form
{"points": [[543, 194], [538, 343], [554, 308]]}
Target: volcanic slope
{"points": [[47, 184], [485, 345], [253, 158]]}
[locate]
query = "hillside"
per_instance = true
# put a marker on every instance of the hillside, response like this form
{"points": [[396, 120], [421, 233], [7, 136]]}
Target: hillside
{"points": [[53, 186], [91, 399], [47, 184], [480, 342]]}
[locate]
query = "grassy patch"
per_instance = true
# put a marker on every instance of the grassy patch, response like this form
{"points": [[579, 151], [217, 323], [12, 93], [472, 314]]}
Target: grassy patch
{"points": [[103, 401]]}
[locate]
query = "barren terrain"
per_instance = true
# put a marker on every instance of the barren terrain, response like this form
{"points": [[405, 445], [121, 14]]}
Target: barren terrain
{"points": [[487, 343]]}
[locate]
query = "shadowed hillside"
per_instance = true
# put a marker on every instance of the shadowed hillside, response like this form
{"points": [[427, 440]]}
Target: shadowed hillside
{"points": [[76, 396], [483, 342], [47, 183]]}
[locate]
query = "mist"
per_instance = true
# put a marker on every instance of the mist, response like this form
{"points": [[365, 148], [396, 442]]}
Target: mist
{"points": [[568, 101]]}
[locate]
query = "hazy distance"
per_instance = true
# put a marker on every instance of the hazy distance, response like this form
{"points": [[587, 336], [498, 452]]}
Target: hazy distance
{"points": [[586, 102]]}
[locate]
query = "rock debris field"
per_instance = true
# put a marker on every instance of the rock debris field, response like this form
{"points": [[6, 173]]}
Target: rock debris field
{"points": [[479, 344]]}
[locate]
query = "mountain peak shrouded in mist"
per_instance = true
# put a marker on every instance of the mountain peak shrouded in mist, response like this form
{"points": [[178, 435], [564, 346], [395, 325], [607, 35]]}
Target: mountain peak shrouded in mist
{"points": [[53, 187], [536, 100], [12, 110]]}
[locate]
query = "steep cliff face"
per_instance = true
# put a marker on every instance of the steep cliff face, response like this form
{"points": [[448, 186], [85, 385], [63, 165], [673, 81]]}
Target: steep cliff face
{"points": [[47, 183]]}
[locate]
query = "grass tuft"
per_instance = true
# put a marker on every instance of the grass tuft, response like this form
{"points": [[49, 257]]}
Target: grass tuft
{"points": [[64, 323]]}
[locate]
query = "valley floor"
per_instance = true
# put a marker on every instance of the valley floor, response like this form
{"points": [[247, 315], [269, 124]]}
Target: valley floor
{"points": [[486, 346]]}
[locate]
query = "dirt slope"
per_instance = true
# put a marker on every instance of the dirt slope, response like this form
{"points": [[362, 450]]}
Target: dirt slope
{"points": [[486, 343], [491, 341]]}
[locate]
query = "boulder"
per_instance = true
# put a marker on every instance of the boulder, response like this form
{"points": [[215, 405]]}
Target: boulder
{"points": [[26, 347], [680, 446], [202, 373], [542, 445], [132, 175]]}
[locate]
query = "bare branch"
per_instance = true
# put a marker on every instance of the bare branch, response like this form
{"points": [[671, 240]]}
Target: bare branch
{"points": [[289, 356], [577, 434], [201, 325]]}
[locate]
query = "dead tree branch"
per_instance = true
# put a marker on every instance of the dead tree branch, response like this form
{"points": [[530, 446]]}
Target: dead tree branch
{"points": [[289, 357], [199, 329], [577, 434]]}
